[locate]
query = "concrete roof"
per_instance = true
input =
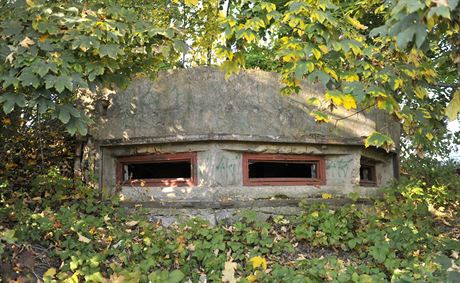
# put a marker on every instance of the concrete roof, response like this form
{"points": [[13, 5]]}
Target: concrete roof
{"points": [[199, 104]]}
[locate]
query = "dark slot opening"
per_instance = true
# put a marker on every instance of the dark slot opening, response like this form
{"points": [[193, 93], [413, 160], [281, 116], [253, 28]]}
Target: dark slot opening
{"points": [[160, 170], [366, 173], [266, 169]]}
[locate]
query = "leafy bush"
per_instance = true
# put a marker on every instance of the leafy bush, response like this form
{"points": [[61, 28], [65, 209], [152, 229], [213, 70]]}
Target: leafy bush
{"points": [[69, 232]]}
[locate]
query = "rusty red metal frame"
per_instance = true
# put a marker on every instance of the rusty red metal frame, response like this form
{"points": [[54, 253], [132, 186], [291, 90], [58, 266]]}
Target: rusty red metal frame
{"points": [[157, 158], [311, 159]]}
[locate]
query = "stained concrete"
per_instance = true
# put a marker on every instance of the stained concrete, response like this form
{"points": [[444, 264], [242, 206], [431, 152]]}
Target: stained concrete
{"points": [[199, 104], [197, 110]]}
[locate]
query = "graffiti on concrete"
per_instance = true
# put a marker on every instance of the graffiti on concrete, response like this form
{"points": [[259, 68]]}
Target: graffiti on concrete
{"points": [[222, 169], [339, 167]]}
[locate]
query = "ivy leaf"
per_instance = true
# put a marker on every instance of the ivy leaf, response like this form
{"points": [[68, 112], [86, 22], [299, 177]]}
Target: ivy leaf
{"points": [[176, 276], [50, 272], [379, 140]]}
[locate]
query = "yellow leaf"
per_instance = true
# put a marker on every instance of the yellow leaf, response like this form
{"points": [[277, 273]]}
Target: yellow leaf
{"points": [[429, 136], [6, 121], [43, 37], [73, 278], [355, 23], [249, 36], [258, 261], [83, 239], [252, 278], [191, 2], [420, 92], [326, 196], [315, 214], [50, 272], [351, 78], [453, 108], [9, 166], [316, 53], [319, 116], [398, 83], [323, 49], [349, 102]]}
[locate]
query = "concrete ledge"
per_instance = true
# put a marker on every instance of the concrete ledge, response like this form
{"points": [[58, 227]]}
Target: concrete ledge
{"points": [[198, 204], [310, 139]]}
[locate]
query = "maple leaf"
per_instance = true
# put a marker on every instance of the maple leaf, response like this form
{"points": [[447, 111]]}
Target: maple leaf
{"points": [[26, 42]]}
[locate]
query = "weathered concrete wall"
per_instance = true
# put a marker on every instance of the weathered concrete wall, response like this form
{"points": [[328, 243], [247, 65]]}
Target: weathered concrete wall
{"points": [[220, 170], [199, 104], [197, 110]]}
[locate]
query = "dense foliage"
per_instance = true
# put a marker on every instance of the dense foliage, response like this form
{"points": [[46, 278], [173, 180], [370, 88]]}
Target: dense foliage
{"points": [[62, 233], [400, 56]]}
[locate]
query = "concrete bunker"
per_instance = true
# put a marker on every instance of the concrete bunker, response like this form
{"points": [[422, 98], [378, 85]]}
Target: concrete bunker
{"points": [[192, 137]]}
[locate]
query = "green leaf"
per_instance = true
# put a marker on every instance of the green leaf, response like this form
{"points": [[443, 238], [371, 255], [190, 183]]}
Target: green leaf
{"points": [[11, 28], [319, 76], [379, 140], [63, 82], [418, 30], [180, 46], [300, 70], [47, 27], [176, 276], [442, 11], [110, 50], [64, 116], [10, 99], [28, 78]]}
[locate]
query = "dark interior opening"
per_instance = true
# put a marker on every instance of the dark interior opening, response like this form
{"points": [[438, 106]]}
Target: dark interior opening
{"points": [[158, 170], [282, 169], [366, 172]]}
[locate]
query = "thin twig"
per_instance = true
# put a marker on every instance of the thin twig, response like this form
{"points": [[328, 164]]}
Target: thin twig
{"points": [[355, 113]]}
